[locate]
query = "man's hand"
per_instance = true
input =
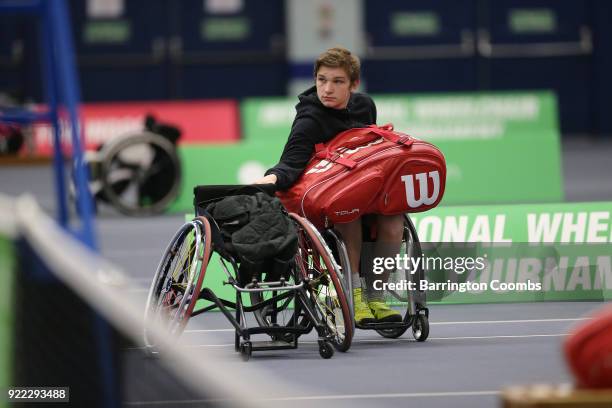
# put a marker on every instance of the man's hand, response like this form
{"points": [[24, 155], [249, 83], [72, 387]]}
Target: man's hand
{"points": [[269, 179]]}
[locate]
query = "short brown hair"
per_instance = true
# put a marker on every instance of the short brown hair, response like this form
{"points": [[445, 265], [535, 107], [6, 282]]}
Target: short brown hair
{"points": [[342, 58]]}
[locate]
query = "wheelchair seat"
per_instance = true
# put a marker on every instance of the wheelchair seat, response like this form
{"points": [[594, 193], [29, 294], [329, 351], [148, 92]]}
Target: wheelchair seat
{"points": [[204, 195]]}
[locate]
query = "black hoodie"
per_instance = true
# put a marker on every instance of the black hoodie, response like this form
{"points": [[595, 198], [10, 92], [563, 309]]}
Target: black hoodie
{"points": [[314, 123]]}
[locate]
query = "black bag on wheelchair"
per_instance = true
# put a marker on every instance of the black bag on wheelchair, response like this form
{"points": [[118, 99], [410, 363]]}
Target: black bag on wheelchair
{"points": [[256, 229]]}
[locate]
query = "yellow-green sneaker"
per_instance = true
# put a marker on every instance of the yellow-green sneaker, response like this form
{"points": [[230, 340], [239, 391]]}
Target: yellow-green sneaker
{"points": [[384, 313], [363, 314]]}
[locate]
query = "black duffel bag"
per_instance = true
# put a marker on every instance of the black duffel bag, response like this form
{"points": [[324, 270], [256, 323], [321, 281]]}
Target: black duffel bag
{"points": [[258, 231]]}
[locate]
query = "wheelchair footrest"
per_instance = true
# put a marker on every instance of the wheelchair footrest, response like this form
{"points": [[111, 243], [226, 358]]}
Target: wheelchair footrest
{"points": [[272, 345], [382, 326]]}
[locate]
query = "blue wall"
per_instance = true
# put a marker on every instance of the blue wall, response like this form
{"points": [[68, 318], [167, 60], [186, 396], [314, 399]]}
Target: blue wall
{"points": [[165, 49]]}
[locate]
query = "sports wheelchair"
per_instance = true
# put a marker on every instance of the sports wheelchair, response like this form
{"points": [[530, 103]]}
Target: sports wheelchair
{"points": [[138, 173], [287, 299]]}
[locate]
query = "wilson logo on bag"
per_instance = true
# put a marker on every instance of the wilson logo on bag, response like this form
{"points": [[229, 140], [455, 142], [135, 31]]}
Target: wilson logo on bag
{"points": [[371, 170], [423, 191]]}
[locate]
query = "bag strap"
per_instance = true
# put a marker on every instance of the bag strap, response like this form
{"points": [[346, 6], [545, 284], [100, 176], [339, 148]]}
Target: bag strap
{"points": [[359, 137], [386, 131], [321, 152]]}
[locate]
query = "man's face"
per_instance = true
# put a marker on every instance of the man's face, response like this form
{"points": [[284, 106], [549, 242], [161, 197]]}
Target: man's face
{"points": [[334, 87]]}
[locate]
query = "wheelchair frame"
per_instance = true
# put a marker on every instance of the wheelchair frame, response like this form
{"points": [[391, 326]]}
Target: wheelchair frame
{"points": [[179, 294]]}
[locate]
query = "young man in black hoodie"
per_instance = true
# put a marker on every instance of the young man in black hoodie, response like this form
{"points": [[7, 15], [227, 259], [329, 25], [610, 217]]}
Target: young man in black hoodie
{"points": [[324, 110]]}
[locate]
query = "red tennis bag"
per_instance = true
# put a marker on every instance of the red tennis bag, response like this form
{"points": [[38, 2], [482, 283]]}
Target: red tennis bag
{"points": [[372, 170]]}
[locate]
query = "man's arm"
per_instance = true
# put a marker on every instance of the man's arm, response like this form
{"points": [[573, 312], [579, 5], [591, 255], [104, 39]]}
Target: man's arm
{"points": [[296, 154]]}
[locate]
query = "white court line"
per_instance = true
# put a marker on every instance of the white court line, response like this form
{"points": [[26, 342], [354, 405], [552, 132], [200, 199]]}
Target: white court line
{"points": [[208, 330], [142, 282], [573, 319], [381, 340], [442, 323], [332, 397], [110, 253], [138, 290], [512, 336], [392, 395]]}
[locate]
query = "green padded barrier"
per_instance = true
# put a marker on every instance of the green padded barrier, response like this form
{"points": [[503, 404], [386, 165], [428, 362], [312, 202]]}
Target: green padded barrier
{"points": [[499, 147], [564, 248], [7, 263], [240, 163]]}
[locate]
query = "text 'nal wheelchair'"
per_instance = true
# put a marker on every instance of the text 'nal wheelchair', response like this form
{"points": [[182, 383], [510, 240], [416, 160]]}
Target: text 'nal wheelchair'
{"points": [[288, 296]]}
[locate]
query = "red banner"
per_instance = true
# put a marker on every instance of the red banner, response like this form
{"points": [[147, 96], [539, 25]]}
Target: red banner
{"points": [[199, 121]]}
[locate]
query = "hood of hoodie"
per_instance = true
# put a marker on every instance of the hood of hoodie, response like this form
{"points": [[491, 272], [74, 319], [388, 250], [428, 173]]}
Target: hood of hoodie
{"points": [[309, 101], [359, 112]]}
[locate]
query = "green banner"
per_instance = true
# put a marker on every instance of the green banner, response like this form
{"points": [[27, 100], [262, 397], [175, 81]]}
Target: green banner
{"points": [[532, 252], [225, 29], [532, 21], [575, 223], [107, 32], [240, 163], [412, 24], [515, 253], [7, 266], [499, 147]]}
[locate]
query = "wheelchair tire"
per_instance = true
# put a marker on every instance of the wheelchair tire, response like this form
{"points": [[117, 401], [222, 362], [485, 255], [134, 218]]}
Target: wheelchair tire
{"points": [[326, 285], [420, 327], [326, 351], [412, 243], [246, 350], [140, 173], [178, 279]]}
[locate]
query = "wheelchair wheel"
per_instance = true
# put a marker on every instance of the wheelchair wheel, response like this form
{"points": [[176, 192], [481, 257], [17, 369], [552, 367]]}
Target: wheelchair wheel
{"points": [[326, 286], [412, 248], [140, 173], [420, 327], [178, 280]]}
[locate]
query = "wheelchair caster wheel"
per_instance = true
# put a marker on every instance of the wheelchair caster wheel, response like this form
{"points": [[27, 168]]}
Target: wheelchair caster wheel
{"points": [[420, 327], [325, 349], [246, 349]]}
